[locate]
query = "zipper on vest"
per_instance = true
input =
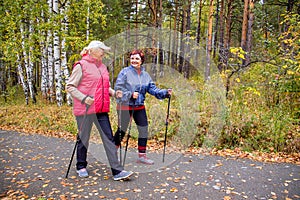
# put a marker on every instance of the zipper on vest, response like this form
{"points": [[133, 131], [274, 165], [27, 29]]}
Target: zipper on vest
{"points": [[102, 91]]}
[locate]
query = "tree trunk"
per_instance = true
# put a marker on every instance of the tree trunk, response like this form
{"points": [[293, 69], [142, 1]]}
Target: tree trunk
{"points": [[187, 56], [198, 36], [3, 81], [175, 38], [30, 77], [245, 25], [22, 80], [44, 71], [154, 50], [209, 40], [44, 65], [249, 32], [199, 22], [182, 42], [64, 66], [57, 69], [161, 52], [215, 40], [221, 60], [50, 59], [227, 38], [28, 66]]}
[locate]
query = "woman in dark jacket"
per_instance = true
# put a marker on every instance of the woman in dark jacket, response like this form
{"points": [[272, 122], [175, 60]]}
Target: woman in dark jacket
{"points": [[134, 82], [90, 88]]}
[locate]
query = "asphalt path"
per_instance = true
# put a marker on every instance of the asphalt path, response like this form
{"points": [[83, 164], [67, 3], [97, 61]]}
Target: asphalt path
{"points": [[34, 166]]}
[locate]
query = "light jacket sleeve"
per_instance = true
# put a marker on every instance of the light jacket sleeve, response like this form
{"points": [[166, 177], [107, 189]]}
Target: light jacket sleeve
{"points": [[121, 85], [74, 81], [155, 91]]}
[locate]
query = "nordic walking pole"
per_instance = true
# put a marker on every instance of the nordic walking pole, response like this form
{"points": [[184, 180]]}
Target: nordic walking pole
{"points": [[77, 139], [128, 136], [120, 133], [167, 123], [129, 128]]}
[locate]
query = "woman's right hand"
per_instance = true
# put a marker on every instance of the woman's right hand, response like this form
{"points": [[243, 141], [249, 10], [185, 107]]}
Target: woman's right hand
{"points": [[135, 95], [89, 100]]}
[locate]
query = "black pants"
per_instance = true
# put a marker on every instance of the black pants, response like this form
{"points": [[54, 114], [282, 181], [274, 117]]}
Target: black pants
{"points": [[101, 121], [141, 120]]}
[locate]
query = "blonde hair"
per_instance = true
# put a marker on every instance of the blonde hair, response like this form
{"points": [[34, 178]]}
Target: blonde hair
{"points": [[89, 51], [84, 51]]}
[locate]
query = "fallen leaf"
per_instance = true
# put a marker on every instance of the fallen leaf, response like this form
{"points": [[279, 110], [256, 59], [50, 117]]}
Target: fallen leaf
{"points": [[197, 183]]}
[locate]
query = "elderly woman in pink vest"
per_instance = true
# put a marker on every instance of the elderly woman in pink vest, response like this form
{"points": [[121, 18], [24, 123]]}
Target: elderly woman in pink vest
{"points": [[90, 88]]}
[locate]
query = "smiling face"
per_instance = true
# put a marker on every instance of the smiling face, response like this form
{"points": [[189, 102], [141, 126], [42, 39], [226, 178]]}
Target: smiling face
{"points": [[136, 61]]}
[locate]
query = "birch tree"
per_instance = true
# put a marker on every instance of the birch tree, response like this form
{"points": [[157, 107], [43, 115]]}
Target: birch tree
{"points": [[27, 64], [50, 60], [57, 64], [44, 63], [64, 30], [30, 75], [22, 80]]}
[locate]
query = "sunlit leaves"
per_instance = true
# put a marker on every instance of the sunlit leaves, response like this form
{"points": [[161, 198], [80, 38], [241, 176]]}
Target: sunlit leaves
{"points": [[238, 52]]}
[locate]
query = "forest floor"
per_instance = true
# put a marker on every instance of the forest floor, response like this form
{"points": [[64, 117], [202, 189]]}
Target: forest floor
{"points": [[33, 166]]}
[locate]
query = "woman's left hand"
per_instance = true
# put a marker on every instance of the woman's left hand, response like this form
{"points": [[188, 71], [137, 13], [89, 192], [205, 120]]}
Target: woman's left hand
{"points": [[170, 91], [119, 94]]}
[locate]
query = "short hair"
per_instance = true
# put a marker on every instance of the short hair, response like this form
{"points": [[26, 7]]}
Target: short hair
{"points": [[140, 52]]}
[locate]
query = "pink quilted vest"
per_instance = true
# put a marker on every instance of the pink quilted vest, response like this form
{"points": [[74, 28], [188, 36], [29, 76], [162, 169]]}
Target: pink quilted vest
{"points": [[95, 83]]}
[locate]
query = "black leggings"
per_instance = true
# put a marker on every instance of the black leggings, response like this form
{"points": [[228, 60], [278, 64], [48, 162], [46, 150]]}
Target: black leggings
{"points": [[141, 120]]}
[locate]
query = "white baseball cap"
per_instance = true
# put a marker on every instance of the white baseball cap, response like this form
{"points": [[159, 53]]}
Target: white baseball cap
{"points": [[96, 43]]}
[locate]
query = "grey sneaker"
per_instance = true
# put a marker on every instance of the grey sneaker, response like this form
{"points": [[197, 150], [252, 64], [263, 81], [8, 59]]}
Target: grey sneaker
{"points": [[145, 160], [82, 173], [122, 175]]}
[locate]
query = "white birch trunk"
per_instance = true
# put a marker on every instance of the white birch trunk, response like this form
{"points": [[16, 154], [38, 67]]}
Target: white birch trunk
{"points": [[30, 67], [27, 65], [44, 71], [22, 79], [50, 58], [58, 77], [65, 70], [44, 66]]}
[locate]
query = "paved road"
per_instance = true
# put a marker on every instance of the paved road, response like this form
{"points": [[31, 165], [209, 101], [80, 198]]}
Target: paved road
{"points": [[34, 166]]}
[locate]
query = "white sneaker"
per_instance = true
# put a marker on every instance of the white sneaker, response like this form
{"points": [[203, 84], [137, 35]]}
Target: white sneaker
{"points": [[122, 175], [82, 173], [145, 160]]}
